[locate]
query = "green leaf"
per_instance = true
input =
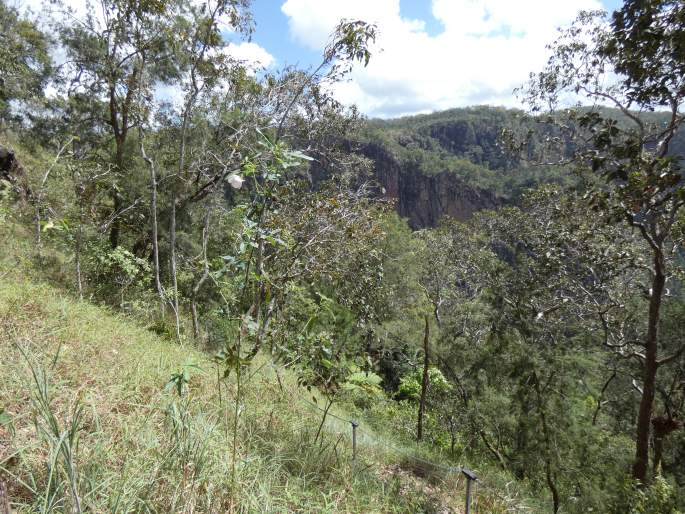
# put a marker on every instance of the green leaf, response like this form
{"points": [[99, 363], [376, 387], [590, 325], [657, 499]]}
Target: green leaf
{"points": [[5, 418]]}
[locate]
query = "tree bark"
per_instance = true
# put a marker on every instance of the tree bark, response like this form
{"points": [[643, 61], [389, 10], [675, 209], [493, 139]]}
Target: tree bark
{"points": [[493, 450], [203, 278], [117, 199], [153, 222], [79, 246], [550, 474], [641, 464], [424, 382], [119, 120], [601, 397], [174, 278], [662, 427], [4, 499]]}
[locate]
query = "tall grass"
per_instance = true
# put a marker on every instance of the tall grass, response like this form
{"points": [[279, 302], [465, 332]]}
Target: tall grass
{"points": [[96, 430]]}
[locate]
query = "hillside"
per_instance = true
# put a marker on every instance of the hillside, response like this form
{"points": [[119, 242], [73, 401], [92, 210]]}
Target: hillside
{"points": [[86, 403], [455, 163], [224, 289]]}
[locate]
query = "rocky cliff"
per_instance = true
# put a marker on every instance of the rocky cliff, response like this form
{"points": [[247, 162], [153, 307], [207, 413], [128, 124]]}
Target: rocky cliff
{"points": [[455, 163], [424, 199]]}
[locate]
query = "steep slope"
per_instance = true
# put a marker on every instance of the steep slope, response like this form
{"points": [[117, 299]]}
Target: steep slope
{"points": [[88, 423], [448, 163], [454, 163], [424, 198]]}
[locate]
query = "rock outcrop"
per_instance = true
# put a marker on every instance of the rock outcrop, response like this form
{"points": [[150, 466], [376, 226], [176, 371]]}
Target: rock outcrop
{"points": [[13, 173], [424, 199]]}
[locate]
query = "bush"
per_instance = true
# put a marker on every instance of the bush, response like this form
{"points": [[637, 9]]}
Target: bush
{"points": [[410, 385], [118, 270], [658, 498]]}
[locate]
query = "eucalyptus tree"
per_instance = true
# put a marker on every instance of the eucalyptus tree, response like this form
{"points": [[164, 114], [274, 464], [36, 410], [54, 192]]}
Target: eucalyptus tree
{"points": [[115, 54], [633, 61], [202, 65], [24, 60], [556, 298]]}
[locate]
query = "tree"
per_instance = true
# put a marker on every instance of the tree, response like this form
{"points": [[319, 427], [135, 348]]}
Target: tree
{"points": [[425, 380], [642, 43], [24, 60], [115, 54], [201, 65]]}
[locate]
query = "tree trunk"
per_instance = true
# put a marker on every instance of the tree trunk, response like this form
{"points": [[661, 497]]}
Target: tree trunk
{"points": [[329, 404], [493, 450], [172, 231], [38, 241], [4, 499], [117, 199], [174, 279], [550, 474], [601, 397], [424, 382], [453, 435], [115, 229], [641, 464], [662, 427], [201, 280], [154, 225], [77, 252], [155, 235]]}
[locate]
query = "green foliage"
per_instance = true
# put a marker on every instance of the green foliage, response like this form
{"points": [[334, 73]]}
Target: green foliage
{"points": [[24, 59], [180, 379], [305, 287], [132, 430], [364, 387], [468, 142], [118, 270], [657, 498], [410, 385]]}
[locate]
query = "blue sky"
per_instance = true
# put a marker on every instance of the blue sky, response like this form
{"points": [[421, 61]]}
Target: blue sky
{"points": [[272, 32], [431, 54]]}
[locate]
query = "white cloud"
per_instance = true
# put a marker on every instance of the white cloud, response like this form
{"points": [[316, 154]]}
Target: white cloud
{"points": [[485, 50], [251, 54]]}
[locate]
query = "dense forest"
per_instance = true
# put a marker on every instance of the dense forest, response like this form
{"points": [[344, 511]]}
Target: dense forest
{"points": [[196, 297]]}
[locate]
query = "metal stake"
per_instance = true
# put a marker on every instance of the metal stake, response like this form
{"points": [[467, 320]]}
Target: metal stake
{"points": [[470, 478], [354, 440]]}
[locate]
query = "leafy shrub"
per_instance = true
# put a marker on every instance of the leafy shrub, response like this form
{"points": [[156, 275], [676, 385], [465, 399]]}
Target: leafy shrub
{"points": [[410, 385], [364, 388], [118, 269], [658, 498]]}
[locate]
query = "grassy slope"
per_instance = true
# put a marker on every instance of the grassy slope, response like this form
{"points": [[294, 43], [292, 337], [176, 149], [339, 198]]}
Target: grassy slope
{"points": [[130, 455]]}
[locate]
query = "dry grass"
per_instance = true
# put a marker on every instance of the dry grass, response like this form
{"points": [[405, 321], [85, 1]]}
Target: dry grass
{"points": [[128, 456], [138, 447]]}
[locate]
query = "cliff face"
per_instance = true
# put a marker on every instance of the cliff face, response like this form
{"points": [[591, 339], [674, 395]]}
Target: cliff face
{"points": [[424, 199]]}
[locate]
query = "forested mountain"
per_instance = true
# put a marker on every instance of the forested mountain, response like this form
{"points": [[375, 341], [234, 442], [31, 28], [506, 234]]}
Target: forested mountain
{"points": [[211, 305], [456, 162]]}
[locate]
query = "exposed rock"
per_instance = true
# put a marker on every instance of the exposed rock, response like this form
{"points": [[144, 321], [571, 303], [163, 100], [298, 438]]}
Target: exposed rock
{"points": [[13, 172], [424, 199]]}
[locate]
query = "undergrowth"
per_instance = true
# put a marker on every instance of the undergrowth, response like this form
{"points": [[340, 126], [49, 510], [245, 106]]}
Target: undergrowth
{"points": [[101, 414]]}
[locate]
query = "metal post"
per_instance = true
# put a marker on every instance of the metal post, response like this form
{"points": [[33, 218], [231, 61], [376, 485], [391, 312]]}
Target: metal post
{"points": [[470, 478], [354, 440]]}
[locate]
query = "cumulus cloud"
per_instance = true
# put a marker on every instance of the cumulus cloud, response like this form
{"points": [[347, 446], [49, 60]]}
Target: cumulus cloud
{"points": [[486, 48], [253, 55], [250, 54]]}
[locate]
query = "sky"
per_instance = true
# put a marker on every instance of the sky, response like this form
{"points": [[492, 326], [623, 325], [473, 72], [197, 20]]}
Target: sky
{"points": [[430, 54]]}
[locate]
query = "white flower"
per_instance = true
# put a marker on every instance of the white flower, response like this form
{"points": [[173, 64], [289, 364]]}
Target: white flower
{"points": [[236, 181]]}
